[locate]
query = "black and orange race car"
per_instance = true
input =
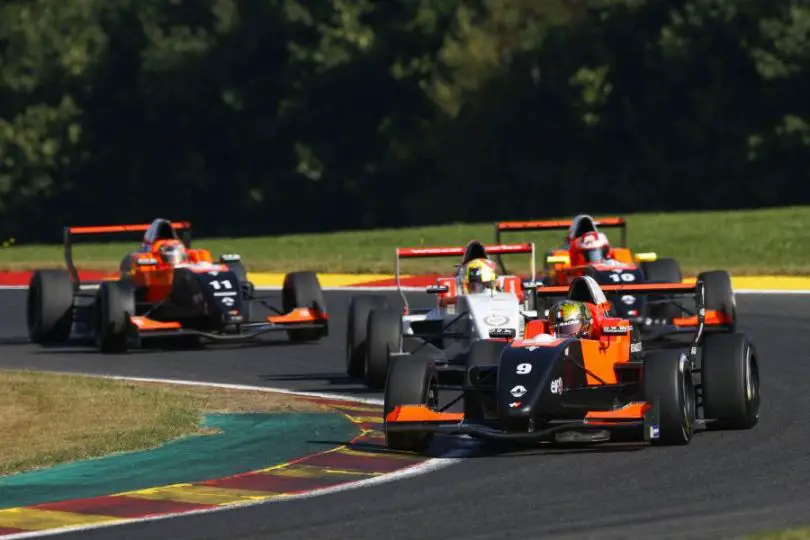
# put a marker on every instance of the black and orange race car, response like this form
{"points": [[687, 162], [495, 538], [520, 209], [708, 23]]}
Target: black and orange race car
{"points": [[166, 288], [586, 252], [602, 387]]}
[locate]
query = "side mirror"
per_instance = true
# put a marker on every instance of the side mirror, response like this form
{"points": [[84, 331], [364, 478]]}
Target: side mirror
{"points": [[437, 289]]}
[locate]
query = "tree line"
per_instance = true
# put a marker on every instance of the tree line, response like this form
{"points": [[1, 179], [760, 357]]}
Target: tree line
{"points": [[277, 116]]}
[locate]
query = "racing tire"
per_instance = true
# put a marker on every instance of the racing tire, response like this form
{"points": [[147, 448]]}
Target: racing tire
{"points": [[720, 294], [730, 382], [356, 327], [666, 270], [115, 303], [49, 306], [302, 289], [668, 385], [384, 335], [412, 380], [482, 353]]}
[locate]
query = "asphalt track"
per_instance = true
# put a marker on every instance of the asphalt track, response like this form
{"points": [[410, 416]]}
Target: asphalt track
{"points": [[722, 485]]}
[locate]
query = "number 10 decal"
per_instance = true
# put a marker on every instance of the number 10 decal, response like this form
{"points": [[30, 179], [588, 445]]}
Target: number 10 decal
{"points": [[221, 284], [622, 277]]}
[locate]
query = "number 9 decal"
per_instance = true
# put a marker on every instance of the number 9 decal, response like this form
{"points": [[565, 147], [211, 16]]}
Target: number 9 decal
{"points": [[524, 369]]}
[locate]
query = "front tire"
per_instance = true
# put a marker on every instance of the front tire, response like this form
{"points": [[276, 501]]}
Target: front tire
{"points": [[730, 381], [115, 304], [668, 381], [356, 331], [302, 289], [720, 294], [412, 380], [384, 331], [49, 306]]}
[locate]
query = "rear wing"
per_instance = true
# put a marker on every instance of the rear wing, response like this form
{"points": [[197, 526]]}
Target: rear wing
{"points": [[183, 229], [458, 251], [504, 227], [696, 322]]}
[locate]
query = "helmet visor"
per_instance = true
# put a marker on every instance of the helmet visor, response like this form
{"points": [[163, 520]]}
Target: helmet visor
{"points": [[594, 255], [568, 328]]}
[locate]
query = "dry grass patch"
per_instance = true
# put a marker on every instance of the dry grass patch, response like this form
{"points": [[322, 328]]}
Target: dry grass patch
{"points": [[48, 418]]}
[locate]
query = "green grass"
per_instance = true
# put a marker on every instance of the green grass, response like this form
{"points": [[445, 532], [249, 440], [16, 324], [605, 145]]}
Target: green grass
{"points": [[802, 533], [48, 418], [773, 241]]}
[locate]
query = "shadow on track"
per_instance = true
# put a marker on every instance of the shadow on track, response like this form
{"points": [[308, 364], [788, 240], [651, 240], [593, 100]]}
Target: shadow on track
{"points": [[331, 382]]}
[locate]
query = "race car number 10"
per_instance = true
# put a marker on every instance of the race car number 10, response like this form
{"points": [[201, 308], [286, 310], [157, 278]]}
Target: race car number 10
{"points": [[618, 278]]}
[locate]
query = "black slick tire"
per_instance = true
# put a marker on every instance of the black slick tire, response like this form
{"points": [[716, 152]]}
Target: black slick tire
{"points": [[730, 382], [668, 385], [356, 331], [302, 289], [115, 303], [384, 335], [49, 306], [412, 380], [666, 270], [719, 294]]}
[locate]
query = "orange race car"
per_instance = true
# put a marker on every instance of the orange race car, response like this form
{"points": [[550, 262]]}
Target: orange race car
{"points": [[581, 375], [587, 252], [166, 288]]}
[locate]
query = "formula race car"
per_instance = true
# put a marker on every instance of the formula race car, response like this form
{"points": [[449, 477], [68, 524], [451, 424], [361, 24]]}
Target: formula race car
{"points": [[598, 387], [376, 332], [586, 252], [165, 289]]}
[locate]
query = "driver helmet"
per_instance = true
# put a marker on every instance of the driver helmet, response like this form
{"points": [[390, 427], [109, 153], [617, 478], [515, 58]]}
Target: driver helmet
{"points": [[569, 318], [479, 275], [173, 252], [591, 247]]}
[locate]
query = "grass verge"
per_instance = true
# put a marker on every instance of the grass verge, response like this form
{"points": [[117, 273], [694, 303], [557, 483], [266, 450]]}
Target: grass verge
{"points": [[769, 241], [50, 418], [802, 533]]}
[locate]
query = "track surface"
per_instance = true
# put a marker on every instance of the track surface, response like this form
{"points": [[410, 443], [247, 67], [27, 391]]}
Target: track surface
{"points": [[723, 484]]}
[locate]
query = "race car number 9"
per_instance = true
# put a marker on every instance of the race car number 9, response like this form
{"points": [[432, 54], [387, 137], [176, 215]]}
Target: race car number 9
{"points": [[617, 278], [524, 369], [221, 284]]}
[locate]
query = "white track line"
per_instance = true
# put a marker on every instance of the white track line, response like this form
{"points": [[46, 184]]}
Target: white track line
{"points": [[425, 467]]}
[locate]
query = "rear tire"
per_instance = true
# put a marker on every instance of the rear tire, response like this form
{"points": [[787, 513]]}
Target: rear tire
{"points": [[412, 380], [115, 303], [730, 381], [665, 270], [49, 311], [720, 294], [384, 331], [356, 332], [302, 289], [668, 380]]}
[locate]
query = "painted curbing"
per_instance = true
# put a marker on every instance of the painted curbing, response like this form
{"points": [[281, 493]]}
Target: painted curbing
{"points": [[359, 462]]}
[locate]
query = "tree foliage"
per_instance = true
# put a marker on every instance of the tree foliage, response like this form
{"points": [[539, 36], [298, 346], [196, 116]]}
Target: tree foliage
{"points": [[268, 116]]}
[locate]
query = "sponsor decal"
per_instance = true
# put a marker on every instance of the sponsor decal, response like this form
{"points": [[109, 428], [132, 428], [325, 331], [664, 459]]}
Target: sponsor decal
{"points": [[628, 299], [635, 347], [515, 404], [226, 293], [496, 319], [615, 330], [518, 391], [228, 301], [501, 332], [556, 386]]}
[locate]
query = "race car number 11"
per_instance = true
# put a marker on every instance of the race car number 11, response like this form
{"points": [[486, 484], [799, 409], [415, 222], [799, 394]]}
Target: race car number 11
{"points": [[221, 284]]}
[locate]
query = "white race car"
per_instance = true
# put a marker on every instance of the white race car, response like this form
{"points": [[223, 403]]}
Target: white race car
{"points": [[375, 331]]}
